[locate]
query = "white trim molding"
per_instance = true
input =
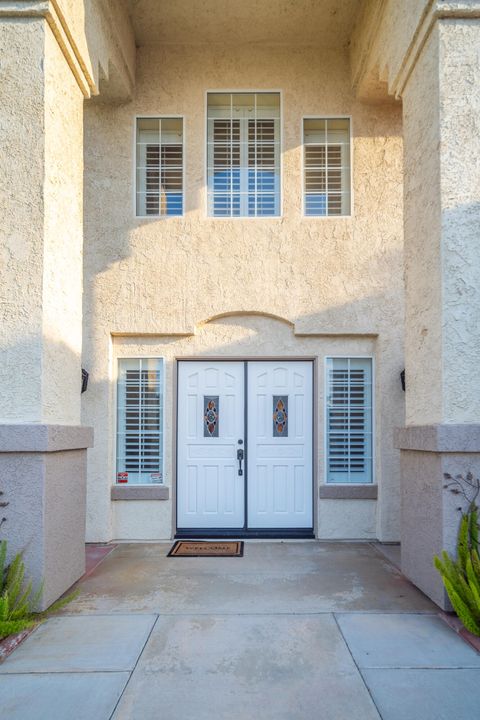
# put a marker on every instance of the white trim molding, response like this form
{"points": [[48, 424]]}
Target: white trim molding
{"points": [[50, 11], [435, 10]]}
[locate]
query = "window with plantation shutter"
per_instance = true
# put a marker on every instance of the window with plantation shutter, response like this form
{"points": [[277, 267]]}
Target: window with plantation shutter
{"points": [[243, 154], [326, 146], [140, 421], [159, 181], [349, 420]]}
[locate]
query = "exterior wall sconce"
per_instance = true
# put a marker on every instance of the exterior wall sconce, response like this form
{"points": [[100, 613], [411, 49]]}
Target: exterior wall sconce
{"points": [[402, 379], [84, 380]]}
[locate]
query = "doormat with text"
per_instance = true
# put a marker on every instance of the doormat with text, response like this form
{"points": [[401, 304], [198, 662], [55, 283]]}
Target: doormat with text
{"points": [[190, 548]]}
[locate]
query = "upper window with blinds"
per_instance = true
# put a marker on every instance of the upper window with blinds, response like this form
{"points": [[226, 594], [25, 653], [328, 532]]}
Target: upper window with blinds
{"points": [[243, 154], [349, 420], [159, 162], [140, 421], [326, 144]]}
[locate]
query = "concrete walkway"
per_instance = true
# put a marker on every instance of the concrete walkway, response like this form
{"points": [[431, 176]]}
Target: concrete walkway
{"points": [[291, 631]]}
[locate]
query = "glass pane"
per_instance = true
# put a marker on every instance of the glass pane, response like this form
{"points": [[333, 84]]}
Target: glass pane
{"points": [[327, 166], [243, 154], [338, 130], [140, 421], [268, 105], [349, 420], [148, 130], [314, 130], [172, 131], [219, 105], [159, 173]]}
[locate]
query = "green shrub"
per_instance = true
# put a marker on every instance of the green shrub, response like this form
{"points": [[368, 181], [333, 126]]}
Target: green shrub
{"points": [[17, 598], [461, 576]]}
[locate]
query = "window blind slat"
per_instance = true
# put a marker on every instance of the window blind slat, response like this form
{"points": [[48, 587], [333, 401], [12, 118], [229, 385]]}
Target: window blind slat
{"points": [[326, 166], [243, 154], [349, 420], [159, 161], [140, 420]]}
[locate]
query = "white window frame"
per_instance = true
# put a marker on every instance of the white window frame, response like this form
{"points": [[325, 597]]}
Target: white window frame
{"points": [[170, 116], [303, 169], [355, 356], [236, 218], [116, 363]]}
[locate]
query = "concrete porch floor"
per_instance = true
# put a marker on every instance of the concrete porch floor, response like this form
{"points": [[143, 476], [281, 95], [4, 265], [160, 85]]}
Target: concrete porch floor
{"points": [[291, 631]]}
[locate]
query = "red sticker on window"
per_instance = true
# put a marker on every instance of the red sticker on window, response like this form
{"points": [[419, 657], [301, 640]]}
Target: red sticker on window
{"points": [[122, 477]]}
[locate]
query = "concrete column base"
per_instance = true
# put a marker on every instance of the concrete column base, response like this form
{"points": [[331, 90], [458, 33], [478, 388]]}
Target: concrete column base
{"points": [[430, 514], [43, 477]]}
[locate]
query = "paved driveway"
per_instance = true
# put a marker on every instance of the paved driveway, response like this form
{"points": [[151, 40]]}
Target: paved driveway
{"points": [[291, 631]]}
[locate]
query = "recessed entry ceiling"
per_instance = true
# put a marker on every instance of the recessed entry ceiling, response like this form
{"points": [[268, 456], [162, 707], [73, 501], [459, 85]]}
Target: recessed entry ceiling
{"points": [[299, 22]]}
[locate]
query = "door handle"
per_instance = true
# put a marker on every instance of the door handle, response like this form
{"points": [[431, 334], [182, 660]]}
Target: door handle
{"points": [[240, 458]]}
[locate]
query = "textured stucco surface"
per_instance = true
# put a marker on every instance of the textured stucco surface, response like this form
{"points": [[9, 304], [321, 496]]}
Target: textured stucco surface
{"points": [[63, 240], [41, 205], [380, 44], [41, 115], [22, 125], [46, 516], [442, 216], [430, 514], [272, 22], [429, 56], [37, 437], [165, 277]]}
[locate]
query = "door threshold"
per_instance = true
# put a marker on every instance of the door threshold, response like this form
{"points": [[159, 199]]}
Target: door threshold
{"points": [[244, 534]]}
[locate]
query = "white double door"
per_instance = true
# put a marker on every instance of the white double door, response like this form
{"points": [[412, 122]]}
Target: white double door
{"points": [[244, 445]]}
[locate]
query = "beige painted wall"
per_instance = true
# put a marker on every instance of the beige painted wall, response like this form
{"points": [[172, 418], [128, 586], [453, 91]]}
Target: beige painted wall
{"points": [[164, 277]]}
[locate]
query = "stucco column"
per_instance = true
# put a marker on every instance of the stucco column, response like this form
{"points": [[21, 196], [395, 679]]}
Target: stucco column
{"points": [[42, 444], [441, 114]]}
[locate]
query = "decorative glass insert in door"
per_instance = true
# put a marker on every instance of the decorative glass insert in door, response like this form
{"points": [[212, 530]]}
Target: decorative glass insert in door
{"points": [[140, 421], [211, 406], [243, 154], [280, 416], [349, 420]]}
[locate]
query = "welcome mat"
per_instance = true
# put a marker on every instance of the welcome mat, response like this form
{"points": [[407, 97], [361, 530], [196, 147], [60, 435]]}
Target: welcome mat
{"points": [[184, 548]]}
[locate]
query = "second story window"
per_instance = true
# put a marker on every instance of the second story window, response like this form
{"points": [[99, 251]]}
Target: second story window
{"points": [[326, 166], [243, 154], [159, 181]]}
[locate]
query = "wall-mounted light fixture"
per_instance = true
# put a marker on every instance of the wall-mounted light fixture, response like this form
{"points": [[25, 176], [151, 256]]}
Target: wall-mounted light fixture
{"points": [[84, 380], [402, 379]]}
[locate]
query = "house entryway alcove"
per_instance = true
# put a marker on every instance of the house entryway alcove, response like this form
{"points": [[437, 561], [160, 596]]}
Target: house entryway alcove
{"points": [[247, 391]]}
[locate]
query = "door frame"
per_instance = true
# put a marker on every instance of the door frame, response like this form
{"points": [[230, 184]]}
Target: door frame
{"points": [[245, 532]]}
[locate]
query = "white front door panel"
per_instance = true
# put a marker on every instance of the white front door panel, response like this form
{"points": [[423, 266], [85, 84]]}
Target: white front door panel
{"points": [[211, 422], [280, 444], [210, 492]]}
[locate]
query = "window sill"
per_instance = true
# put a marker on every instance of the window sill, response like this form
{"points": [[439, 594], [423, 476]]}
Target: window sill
{"points": [[139, 492], [348, 492]]}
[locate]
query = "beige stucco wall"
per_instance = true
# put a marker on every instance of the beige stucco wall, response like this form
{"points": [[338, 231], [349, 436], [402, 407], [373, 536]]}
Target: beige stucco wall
{"points": [[99, 42], [63, 232], [165, 277], [442, 207], [21, 210], [41, 205], [380, 44]]}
